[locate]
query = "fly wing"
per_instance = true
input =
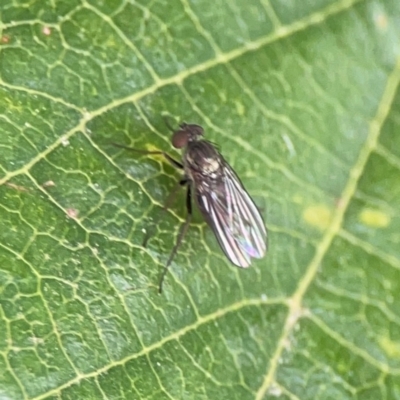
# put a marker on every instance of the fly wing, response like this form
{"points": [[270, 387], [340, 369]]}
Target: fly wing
{"points": [[233, 217]]}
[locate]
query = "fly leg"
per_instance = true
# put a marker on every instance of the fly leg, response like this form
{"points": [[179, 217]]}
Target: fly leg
{"points": [[171, 160], [182, 233], [168, 203]]}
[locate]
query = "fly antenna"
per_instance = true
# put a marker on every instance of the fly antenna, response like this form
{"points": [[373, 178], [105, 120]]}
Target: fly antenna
{"points": [[167, 119]]}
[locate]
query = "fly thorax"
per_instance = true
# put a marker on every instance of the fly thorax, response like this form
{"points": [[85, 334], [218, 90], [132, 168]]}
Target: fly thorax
{"points": [[211, 167], [201, 157]]}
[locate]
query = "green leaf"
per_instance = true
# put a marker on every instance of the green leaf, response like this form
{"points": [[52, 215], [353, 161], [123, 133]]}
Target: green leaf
{"points": [[303, 99]]}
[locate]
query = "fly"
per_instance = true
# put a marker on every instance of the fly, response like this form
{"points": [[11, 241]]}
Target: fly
{"points": [[219, 194]]}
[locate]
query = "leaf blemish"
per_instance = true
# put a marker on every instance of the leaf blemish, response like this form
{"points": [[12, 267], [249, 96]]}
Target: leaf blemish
{"points": [[318, 216], [390, 347], [374, 218], [72, 213]]}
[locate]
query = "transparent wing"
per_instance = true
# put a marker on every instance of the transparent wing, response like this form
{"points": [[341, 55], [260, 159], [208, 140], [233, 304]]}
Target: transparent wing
{"points": [[233, 217]]}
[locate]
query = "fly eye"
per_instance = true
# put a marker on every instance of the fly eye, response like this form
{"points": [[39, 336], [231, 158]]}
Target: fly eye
{"points": [[179, 139]]}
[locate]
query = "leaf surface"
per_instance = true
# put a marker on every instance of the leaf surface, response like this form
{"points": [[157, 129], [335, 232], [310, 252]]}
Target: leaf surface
{"points": [[302, 100]]}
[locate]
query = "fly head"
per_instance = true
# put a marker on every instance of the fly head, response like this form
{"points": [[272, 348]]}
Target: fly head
{"points": [[185, 134]]}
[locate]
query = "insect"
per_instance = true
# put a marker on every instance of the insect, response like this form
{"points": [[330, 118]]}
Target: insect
{"points": [[220, 196]]}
